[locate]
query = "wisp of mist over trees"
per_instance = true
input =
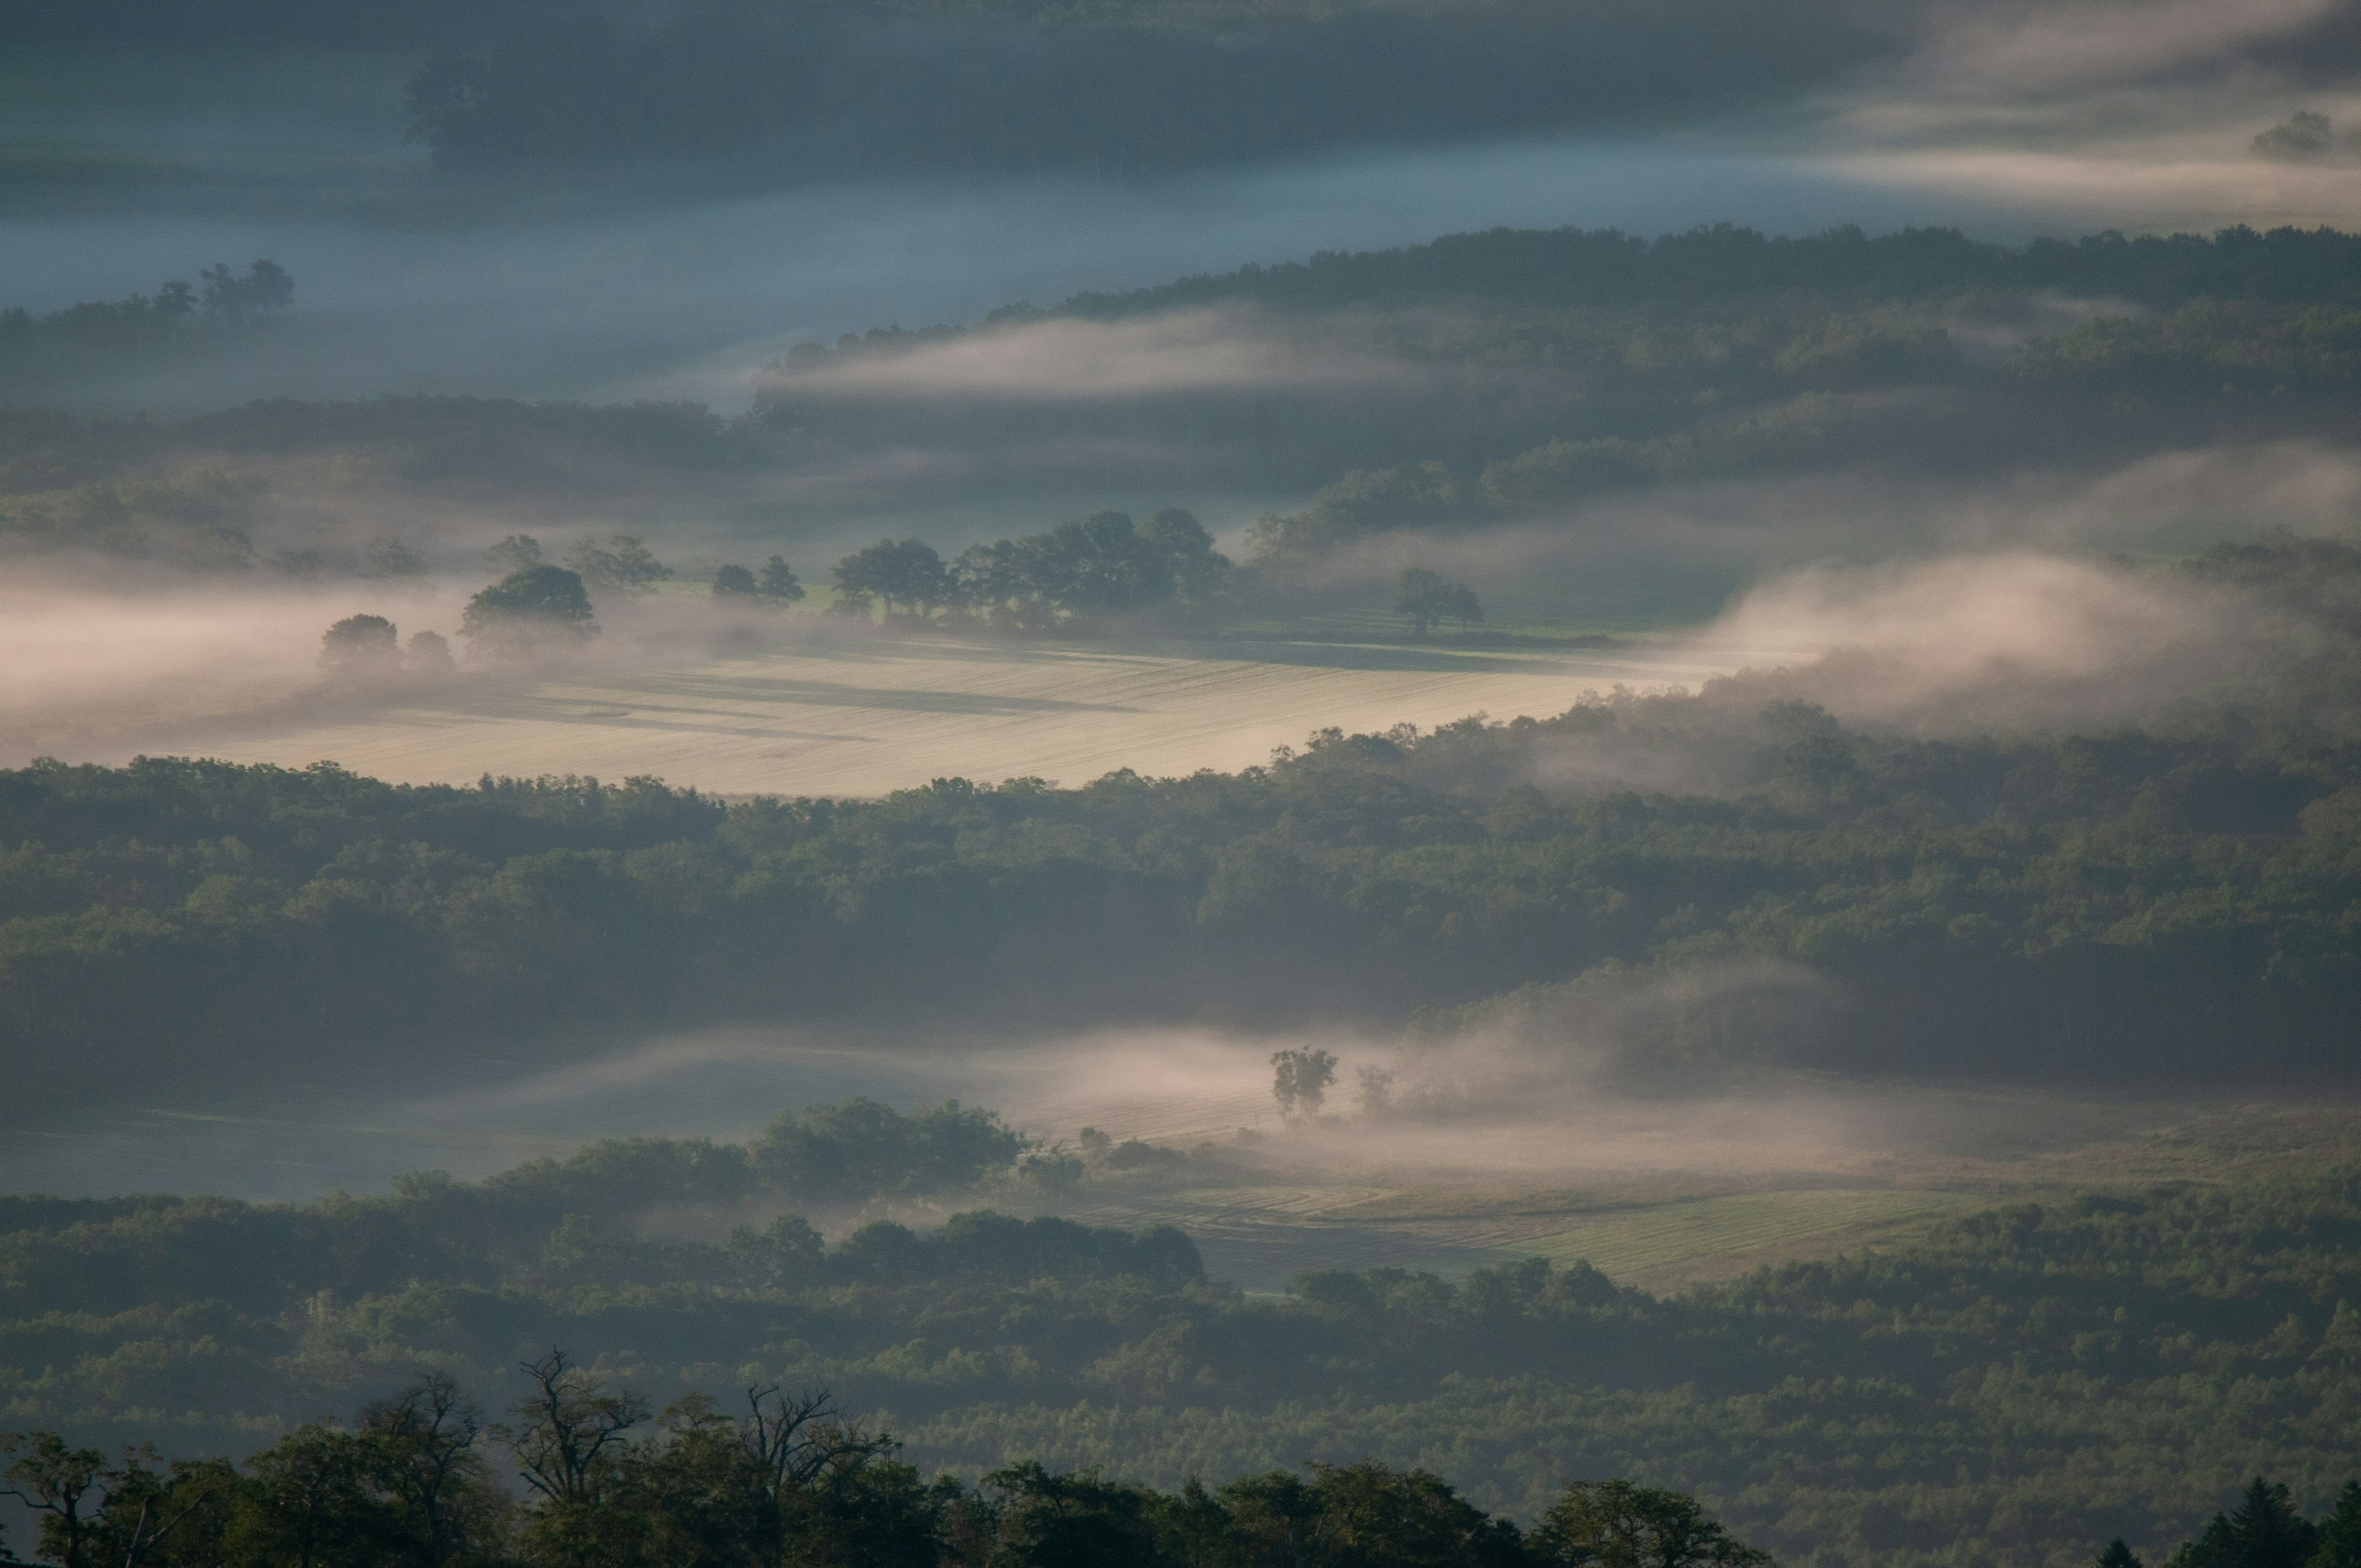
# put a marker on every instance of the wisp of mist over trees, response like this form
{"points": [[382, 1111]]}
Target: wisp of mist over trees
{"points": [[1877, 1097]]}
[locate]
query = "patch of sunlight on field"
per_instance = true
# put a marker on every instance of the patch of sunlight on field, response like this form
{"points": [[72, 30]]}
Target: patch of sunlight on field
{"points": [[1696, 1239], [881, 714], [1264, 1235]]}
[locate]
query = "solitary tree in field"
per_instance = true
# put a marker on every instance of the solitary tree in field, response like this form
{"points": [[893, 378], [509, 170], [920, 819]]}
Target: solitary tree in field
{"points": [[430, 654], [536, 607], [1429, 597], [359, 646], [734, 583], [1299, 1081]]}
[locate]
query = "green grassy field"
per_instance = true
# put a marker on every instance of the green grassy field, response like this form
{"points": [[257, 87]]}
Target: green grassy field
{"points": [[1688, 1240], [1261, 1236], [1664, 1229]]}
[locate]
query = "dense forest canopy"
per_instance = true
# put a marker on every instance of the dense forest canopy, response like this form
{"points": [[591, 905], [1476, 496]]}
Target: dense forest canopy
{"points": [[2020, 1384], [1482, 380]]}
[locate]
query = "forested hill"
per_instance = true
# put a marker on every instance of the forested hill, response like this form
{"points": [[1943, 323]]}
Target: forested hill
{"points": [[2015, 1388], [1728, 262], [2155, 905]]}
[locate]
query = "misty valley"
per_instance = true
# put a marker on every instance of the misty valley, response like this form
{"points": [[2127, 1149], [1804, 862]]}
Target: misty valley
{"points": [[1179, 785]]}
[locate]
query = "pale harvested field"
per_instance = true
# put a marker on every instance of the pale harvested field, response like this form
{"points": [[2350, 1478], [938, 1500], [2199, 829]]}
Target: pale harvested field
{"points": [[863, 716]]}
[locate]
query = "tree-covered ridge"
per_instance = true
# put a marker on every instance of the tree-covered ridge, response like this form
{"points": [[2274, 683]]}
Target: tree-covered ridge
{"points": [[193, 492], [2177, 904], [2020, 1386], [1517, 375], [141, 327], [1721, 262]]}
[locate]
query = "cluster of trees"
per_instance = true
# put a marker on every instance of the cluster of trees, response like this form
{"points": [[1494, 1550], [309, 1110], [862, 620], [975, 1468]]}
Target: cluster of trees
{"points": [[181, 493], [2052, 905], [1427, 597], [534, 609], [2266, 1530], [362, 647], [112, 335], [1136, 88], [197, 521], [144, 321], [775, 584], [2305, 137], [1812, 432], [2026, 1382], [2207, 349], [788, 1481], [1096, 569]]}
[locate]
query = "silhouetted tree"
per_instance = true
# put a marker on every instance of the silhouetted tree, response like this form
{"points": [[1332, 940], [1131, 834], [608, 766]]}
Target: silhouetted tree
{"points": [[622, 564], [1428, 597], [314, 1504], [517, 553], [361, 646], [569, 1428], [1299, 1081], [2340, 1532], [1614, 1524], [527, 608], [779, 584], [2303, 136], [430, 654], [908, 574], [98, 1515], [264, 286]]}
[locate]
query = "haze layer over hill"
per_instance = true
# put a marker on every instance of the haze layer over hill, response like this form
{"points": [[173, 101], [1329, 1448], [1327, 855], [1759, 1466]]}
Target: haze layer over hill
{"points": [[1625, 737]]}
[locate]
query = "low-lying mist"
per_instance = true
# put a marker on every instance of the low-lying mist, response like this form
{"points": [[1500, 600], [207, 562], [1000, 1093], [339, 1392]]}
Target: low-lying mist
{"points": [[2016, 636], [2154, 116], [1571, 1102], [690, 300]]}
